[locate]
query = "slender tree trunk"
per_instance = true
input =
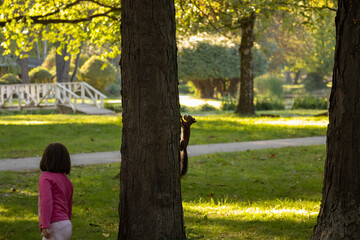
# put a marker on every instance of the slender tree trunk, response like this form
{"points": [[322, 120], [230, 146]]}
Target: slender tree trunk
{"points": [[246, 99], [150, 191], [339, 216], [297, 76], [45, 49], [62, 66], [24, 65], [77, 62]]}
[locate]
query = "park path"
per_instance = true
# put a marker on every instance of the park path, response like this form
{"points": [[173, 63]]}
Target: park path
{"points": [[193, 150]]}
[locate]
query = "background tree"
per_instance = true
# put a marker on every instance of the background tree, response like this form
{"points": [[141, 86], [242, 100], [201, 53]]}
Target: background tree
{"points": [[69, 23], [339, 212], [234, 19], [150, 191]]}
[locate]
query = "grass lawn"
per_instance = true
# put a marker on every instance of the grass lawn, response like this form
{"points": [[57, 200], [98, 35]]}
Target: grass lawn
{"points": [[262, 194], [27, 135]]}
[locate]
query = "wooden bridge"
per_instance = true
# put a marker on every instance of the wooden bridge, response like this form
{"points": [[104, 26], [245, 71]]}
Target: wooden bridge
{"points": [[64, 97]]}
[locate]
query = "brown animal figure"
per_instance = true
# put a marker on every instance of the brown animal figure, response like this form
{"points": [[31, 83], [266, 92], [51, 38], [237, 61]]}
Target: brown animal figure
{"points": [[184, 141]]}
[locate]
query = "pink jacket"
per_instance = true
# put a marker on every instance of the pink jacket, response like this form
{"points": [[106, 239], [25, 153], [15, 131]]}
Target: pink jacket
{"points": [[55, 198]]}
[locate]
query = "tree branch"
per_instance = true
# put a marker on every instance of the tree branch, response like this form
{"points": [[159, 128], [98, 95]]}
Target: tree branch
{"points": [[39, 19]]}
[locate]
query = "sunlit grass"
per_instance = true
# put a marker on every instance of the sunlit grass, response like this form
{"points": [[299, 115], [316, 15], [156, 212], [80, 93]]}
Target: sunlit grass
{"points": [[28, 135], [260, 195]]}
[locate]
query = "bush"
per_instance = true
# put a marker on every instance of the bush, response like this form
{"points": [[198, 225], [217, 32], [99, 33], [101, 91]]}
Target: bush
{"points": [[314, 81], [269, 104], [270, 85], [50, 60], [116, 107], [98, 73], [228, 105], [207, 108], [10, 78], [310, 102], [114, 89], [40, 75]]}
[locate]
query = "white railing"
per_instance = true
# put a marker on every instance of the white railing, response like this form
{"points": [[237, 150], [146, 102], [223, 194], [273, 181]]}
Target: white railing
{"points": [[48, 95]]}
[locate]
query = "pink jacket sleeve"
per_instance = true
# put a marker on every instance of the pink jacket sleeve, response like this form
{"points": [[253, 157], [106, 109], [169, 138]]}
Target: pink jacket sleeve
{"points": [[45, 202]]}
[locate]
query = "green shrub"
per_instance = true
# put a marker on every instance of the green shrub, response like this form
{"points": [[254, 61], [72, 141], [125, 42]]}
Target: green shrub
{"points": [[50, 60], [228, 104], [116, 107], [40, 75], [98, 72], [270, 85], [310, 102], [10, 78], [206, 108], [314, 81], [269, 104], [114, 89]]}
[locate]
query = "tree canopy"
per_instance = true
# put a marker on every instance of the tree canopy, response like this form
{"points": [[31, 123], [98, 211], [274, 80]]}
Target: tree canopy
{"points": [[69, 22]]}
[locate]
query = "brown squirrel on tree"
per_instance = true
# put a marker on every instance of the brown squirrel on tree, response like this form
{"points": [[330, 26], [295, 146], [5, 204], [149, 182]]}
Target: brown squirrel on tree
{"points": [[184, 141]]}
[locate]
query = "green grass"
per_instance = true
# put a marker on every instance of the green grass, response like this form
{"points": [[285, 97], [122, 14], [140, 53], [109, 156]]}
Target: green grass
{"points": [[27, 135], [262, 194]]}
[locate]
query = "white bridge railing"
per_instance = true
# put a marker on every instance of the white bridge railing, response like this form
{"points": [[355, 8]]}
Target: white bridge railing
{"points": [[48, 96]]}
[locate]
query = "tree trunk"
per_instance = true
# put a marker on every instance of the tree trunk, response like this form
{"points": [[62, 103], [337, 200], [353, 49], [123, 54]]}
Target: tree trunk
{"points": [[62, 66], [246, 99], [150, 191], [339, 216], [297, 76], [77, 63], [24, 64]]}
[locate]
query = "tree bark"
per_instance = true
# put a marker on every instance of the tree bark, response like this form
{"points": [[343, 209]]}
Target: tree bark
{"points": [[150, 191], [339, 216], [62, 66], [246, 100], [24, 65], [77, 63]]}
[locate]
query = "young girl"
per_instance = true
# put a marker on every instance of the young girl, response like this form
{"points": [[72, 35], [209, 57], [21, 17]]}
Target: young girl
{"points": [[55, 193]]}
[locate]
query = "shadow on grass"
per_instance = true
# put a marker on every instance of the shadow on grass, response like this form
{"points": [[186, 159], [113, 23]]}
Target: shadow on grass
{"points": [[225, 228], [271, 174]]}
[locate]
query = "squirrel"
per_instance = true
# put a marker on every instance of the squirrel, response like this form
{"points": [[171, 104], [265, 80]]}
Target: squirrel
{"points": [[184, 141]]}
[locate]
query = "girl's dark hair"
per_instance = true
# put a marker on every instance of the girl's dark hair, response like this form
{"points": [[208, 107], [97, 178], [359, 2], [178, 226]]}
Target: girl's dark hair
{"points": [[56, 158]]}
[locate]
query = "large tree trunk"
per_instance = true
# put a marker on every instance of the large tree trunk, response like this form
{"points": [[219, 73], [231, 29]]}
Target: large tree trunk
{"points": [[339, 216], [150, 191], [246, 99], [62, 66]]}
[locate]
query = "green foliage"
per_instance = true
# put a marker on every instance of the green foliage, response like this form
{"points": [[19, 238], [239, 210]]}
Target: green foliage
{"points": [[116, 107], [50, 60], [270, 85], [269, 104], [314, 81], [98, 72], [228, 104], [10, 78], [70, 23], [206, 60], [114, 89], [310, 102], [40, 75], [186, 88]]}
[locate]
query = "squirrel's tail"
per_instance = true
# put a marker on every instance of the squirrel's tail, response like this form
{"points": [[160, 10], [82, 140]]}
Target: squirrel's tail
{"points": [[183, 162]]}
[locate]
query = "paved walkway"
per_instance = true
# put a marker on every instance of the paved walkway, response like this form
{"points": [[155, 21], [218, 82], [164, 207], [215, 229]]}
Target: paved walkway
{"points": [[193, 150]]}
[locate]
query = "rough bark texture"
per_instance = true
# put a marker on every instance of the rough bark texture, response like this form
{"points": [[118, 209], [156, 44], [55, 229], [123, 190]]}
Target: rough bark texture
{"points": [[339, 216], [246, 99], [62, 66], [150, 191]]}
